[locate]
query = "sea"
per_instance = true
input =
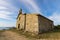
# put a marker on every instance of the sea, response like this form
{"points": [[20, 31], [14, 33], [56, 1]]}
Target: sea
{"points": [[1, 28]]}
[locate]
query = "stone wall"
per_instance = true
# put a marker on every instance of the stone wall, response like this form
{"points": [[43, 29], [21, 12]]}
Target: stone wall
{"points": [[20, 21], [32, 23], [44, 24]]}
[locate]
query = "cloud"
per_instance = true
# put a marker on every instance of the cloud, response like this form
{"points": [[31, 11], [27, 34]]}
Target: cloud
{"points": [[55, 17], [6, 10], [8, 5], [31, 5], [6, 24], [3, 2], [2, 7], [5, 15]]}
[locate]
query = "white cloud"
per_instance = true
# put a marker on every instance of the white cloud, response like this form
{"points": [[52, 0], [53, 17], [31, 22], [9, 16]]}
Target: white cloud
{"points": [[3, 2], [2, 7], [5, 15], [31, 5], [6, 24], [6, 10], [55, 17]]}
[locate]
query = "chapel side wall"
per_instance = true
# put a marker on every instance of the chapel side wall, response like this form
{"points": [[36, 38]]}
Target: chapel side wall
{"points": [[32, 23], [44, 24], [20, 21]]}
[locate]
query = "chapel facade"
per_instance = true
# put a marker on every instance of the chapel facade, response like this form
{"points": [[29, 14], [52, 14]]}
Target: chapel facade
{"points": [[35, 23]]}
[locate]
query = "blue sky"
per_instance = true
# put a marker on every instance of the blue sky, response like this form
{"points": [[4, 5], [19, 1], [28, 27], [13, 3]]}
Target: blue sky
{"points": [[9, 10]]}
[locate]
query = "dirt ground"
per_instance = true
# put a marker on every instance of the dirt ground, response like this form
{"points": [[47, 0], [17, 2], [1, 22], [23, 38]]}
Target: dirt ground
{"points": [[9, 35]]}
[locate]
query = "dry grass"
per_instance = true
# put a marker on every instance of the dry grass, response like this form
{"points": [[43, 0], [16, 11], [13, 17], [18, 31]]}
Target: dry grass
{"points": [[53, 34]]}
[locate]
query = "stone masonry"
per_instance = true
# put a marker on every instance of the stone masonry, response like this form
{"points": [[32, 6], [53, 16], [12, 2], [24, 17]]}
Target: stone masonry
{"points": [[35, 23]]}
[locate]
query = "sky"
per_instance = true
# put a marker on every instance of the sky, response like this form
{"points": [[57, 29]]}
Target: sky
{"points": [[9, 10]]}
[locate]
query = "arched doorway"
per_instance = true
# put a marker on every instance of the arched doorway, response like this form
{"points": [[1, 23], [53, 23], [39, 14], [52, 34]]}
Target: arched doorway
{"points": [[18, 26]]}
